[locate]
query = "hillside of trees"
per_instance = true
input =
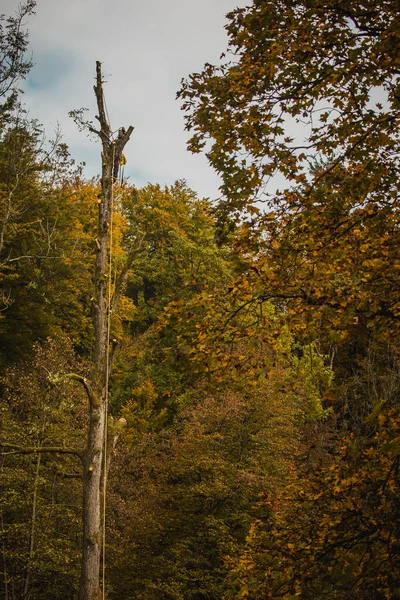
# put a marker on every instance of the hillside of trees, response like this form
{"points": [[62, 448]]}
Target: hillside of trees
{"points": [[199, 400]]}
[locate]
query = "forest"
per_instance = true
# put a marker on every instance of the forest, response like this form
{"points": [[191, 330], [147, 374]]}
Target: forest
{"points": [[199, 399]]}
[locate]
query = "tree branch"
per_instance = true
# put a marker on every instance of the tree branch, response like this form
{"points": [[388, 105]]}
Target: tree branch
{"points": [[105, 132], [93, 130], [102, 117], [348, 152], [93, 399], [14, 449]]}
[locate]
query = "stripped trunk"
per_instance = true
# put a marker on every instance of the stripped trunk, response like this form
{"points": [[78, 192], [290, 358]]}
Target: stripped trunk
{"points": [[93, 459]]}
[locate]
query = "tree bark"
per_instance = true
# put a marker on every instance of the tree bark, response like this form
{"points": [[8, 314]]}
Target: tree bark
{"points": [[93, 457]]}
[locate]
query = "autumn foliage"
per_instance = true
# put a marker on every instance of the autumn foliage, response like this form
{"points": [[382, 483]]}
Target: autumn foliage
{"points": [[255, 347]]}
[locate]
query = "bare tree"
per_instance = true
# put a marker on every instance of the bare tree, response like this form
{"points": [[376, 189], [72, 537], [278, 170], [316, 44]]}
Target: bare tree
{"points": [[97, 388]]}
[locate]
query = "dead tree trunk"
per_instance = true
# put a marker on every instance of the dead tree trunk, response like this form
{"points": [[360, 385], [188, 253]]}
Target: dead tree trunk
{"points": [[94, 465], [93, 457]]}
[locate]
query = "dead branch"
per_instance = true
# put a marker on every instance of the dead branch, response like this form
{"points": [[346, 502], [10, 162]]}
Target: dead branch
{"points": [[11, 449], [93, 399]]}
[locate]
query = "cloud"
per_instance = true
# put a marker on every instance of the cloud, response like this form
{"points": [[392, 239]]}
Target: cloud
{"points": [[146, 49]]}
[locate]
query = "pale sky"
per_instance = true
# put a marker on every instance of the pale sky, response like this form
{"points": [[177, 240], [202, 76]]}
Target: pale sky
{"points": [[146, 49]]}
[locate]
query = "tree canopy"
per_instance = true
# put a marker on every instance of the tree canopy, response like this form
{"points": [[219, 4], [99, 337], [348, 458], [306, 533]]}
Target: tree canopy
{"points": [[14, 65], [310, 92], [200, 400], [332, 66]]}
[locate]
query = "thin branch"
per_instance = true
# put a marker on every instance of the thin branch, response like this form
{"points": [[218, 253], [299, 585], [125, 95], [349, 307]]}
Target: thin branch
{"points": [[93, 130], [14, 449], [31, 257]]}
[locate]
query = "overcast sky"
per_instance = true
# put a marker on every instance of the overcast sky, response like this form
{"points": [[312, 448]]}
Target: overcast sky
{"points": [[147, 47]]}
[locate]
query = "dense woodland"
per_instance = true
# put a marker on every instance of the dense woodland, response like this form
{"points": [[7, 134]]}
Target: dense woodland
{"points": [[252, 415]]}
